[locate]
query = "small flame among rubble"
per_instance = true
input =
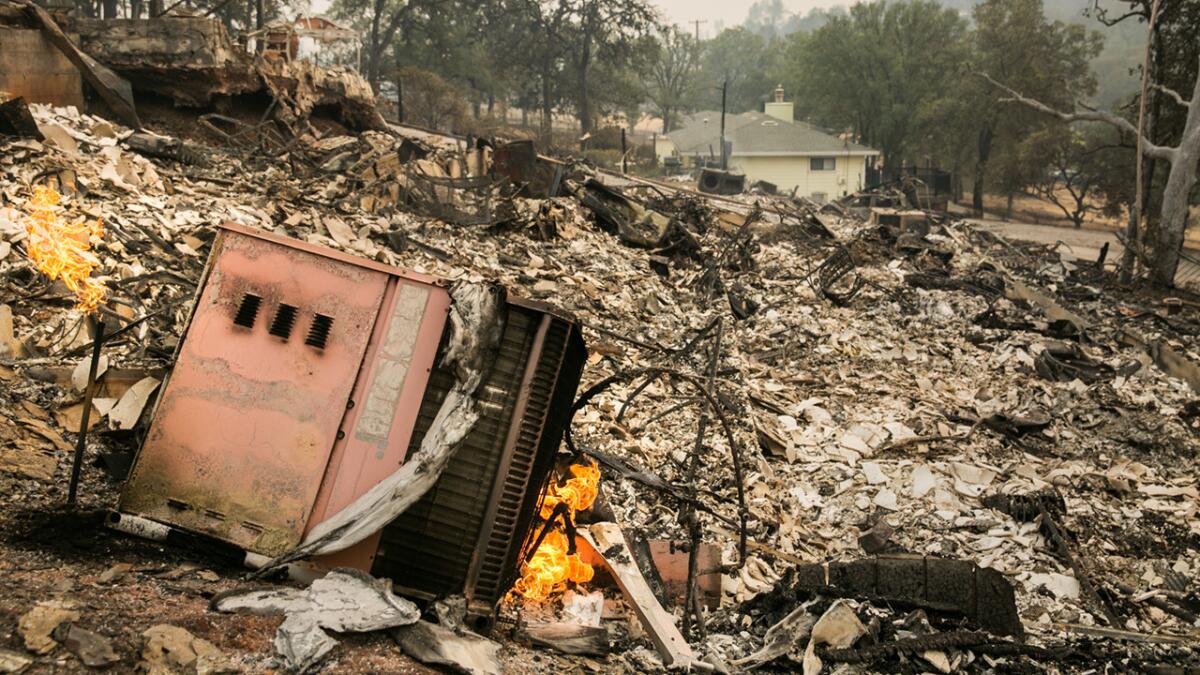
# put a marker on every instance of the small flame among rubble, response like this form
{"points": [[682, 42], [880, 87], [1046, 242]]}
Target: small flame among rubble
{"points": [[62, 250], [578, 492], [553, 565]]}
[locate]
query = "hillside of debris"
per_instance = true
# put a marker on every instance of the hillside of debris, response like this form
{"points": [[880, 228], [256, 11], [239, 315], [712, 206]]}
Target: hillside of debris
{"points": [[920, 447]]}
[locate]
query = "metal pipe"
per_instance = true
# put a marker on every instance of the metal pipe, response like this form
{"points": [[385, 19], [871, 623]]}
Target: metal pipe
{"points": [[138, 526], [81, 443]]}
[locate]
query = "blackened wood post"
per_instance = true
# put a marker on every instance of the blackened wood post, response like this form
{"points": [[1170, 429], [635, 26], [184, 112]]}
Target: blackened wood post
{"points": [[81, 443]]}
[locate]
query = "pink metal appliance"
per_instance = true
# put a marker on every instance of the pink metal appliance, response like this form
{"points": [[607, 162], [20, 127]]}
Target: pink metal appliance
{"points": [[306, 376]]}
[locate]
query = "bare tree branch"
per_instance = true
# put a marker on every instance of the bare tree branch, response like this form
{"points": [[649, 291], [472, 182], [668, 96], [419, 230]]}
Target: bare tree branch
{"points": [[1172, 93], [1148, 148], [1101, 14]]}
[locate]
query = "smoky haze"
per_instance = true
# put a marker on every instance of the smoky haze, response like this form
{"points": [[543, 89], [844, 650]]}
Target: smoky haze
{"points": [[721, 13]]}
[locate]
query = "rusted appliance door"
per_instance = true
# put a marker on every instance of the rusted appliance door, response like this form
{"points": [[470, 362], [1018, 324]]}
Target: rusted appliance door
{"points": [[243, 431]]}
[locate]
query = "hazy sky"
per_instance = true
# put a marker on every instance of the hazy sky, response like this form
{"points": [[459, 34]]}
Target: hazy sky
{"points": [[729, 12]]}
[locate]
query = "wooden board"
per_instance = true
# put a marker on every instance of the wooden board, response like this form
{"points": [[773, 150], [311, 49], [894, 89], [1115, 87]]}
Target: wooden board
{"points": [[610, 544]]}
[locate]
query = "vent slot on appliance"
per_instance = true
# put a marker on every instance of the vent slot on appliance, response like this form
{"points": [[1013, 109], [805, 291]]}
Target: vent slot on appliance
{"points": [[430, 546], [248, 311], [285, 318], [318, 332]]}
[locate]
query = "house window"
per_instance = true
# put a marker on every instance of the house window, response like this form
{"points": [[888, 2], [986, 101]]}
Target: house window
{"points": [[820, 197], [821, 163]]}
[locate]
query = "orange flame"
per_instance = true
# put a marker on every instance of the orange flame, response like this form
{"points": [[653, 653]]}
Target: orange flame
{"points": [[62, 250], [552, 567], [579, 492]]}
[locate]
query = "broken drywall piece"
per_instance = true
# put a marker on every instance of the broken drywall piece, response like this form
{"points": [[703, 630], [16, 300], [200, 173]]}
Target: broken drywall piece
{"points": [[344, 601], [79, 376], [57, 135], [922, 481], [873, 473], [838, 627], [169, 649], [39, 623], [462, 652], [13, 662], [126, 413], [302, 643], [886, 499], [340, 231]]}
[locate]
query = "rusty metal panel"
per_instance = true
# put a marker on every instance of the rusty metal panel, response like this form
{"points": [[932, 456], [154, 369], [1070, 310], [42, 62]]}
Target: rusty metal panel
{"points": [[243, 431], [384, 406], [32, 67]]}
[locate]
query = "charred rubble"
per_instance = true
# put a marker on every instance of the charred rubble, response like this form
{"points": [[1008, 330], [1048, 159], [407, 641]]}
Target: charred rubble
{"points": [[825, 437]]}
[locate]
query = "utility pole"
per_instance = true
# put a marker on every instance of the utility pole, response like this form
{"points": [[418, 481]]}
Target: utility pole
{"points": [[624, 154], [697, 23], [724, 159]]}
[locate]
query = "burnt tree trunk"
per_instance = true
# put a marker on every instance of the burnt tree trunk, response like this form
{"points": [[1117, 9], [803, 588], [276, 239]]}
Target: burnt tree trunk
{"points": [[374, 50], [585, 99], [547, 109], [985, 150]]}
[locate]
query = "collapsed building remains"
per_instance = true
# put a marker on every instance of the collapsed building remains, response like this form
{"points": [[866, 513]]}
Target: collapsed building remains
{"points": [[805, 435]]}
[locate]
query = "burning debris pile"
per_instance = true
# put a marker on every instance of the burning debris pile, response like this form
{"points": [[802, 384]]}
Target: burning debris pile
{"points": [[555, 561], [803, 437]]}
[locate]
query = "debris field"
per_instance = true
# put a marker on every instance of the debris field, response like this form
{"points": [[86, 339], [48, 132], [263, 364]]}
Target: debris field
{"points": [[826, 441]]}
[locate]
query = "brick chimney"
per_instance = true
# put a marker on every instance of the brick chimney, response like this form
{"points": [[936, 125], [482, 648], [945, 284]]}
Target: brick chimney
{"points": [[779, 108]]}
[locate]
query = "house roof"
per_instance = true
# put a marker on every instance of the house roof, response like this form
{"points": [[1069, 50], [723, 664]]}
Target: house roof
{"points": [[755, 133]]}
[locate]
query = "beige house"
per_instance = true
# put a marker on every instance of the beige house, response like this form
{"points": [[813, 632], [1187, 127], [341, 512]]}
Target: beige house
{"points": [[775, 148]]}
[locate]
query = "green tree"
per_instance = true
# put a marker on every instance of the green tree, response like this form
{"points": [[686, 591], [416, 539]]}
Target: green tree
{"points": [[431, 101], [600, 32], [670, 79], [1015, 44], [563, 45], [744, 60], [1067, 177], [381, 22], [530, 40], [872, 71], [1109, 158]]}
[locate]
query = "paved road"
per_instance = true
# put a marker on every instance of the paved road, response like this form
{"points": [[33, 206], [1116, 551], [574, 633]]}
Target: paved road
{"points": [[1083, 244]]}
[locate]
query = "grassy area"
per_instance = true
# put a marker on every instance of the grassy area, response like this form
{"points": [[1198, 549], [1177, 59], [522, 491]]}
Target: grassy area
{"points": [[1036, 210]]}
